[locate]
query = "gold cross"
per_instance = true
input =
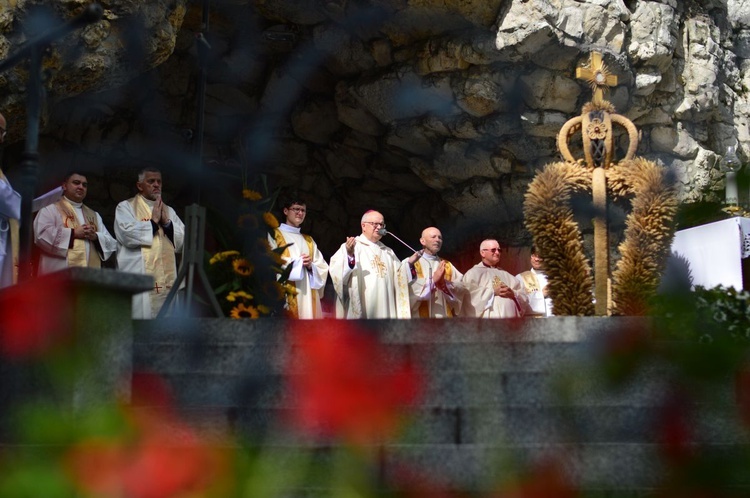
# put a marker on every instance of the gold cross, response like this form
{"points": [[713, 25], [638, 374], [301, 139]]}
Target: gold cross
{"points": [[378, 266], [496, 282], [598, 76]]}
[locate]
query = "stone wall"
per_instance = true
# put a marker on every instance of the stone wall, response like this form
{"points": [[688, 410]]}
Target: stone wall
{"points": [[431, 111]]}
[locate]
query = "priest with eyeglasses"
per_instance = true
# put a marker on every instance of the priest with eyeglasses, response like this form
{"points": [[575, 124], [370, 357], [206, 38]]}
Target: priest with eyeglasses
{"points": [[495, 293], [369, 279]]}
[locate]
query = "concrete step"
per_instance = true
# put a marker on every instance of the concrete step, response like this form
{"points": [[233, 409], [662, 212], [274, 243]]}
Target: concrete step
{"points": [[444, 389], [494, 391], [508, 425]]}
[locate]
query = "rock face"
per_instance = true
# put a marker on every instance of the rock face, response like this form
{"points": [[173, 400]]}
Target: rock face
{"points": [[435, 112]]}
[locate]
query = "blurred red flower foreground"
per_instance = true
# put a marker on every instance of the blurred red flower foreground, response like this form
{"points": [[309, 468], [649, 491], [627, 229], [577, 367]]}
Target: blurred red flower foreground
{"points": [[344, 383], [35, 317], [159, 457]]}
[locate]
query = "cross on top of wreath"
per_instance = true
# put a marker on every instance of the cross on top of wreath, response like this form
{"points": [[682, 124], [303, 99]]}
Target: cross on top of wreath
{"points": [[597, 119], [598, 75], [550, 219]]}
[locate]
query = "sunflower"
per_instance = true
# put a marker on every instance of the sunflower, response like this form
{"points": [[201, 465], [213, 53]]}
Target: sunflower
{"points": [[242, 267], [270, 220], [232, 296], [221, 256], [242, 311], [251, 195]]}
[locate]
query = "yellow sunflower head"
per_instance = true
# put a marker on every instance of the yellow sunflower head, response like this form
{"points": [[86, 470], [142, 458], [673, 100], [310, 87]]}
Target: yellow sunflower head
{"points": [[221, 256], [251, 195], [270, 220], [232, 296], [242, 311], [242, 267]]}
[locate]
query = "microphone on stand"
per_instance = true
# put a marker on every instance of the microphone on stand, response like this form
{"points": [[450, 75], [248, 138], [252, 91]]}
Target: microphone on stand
{"points": [[384, 232]]}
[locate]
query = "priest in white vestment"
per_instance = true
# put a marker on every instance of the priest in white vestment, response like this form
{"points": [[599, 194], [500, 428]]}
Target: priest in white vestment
{"points": [[436, 289], [10, 214], [369, 279], [69, 233], [535, 284], [150, 234], [495, 293], [309, 270]]}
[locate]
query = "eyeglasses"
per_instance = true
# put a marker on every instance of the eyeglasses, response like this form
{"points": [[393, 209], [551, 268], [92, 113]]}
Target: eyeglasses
{"points": [[375, 224], [298, 210], [493, 250]]}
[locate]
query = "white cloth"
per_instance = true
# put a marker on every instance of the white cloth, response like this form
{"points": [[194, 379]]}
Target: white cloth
{"points": [[429, 301], [377, 286], [715, 251], [308, 302], [53, 238], [538, 304], [483, 303], [10, 208], [134, 234]]}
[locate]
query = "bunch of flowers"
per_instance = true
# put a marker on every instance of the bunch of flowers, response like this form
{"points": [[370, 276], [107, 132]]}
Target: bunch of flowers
{"points": [[250, 283]]}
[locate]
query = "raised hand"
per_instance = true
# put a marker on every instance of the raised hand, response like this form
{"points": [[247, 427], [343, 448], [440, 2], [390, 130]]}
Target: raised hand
{"points": [[156, 213], [350, 242], [439, 274]]}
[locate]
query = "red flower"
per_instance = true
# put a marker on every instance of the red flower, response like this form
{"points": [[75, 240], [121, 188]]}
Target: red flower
{"points": [[162, 457], [153, 466], [548, 478], [674, 429], [343, 384], [35, 316]]}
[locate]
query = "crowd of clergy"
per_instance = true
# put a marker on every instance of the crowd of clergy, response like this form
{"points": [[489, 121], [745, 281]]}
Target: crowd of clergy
{"points": [[370, 281]]}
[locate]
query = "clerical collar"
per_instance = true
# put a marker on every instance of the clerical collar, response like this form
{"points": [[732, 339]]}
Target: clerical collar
{"points": [[431, 257], [540, 272], [289, 228], [488, 266], [74, 203], [149, 202]]}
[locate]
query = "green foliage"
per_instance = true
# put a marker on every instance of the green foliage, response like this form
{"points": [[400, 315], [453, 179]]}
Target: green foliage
{"points": [[248, 278]]}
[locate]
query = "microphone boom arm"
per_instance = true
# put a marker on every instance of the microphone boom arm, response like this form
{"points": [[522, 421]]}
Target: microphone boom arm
{"points": [[383, 231]]}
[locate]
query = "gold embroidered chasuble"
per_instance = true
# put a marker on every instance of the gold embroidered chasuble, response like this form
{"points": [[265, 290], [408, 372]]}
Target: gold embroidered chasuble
{"points": [[377, 286], [158, 259], [77, 255], [481, 281], [530, 281], [437, 297], [306, 303]]}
